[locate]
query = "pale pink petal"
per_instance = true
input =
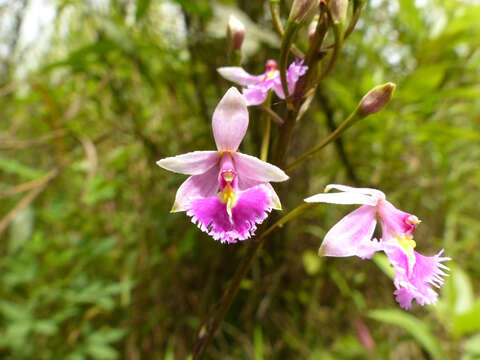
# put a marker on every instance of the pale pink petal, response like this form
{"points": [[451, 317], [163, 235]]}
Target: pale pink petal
{"points": [[366, 191], [277, 87], [251, 208], [426, 271], [239, 76], [192, 163], [352, 236], [255, 95], [256, 169], [197, 186], [230, 121], [344, 198], [395, 223]]}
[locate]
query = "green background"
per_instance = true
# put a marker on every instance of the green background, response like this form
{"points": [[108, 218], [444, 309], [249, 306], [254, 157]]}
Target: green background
{"points": [[93, 266]]}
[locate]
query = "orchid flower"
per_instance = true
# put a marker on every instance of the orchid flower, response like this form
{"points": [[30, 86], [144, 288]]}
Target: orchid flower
{"points": [[228, 193], [352, 236], [256, 87]]}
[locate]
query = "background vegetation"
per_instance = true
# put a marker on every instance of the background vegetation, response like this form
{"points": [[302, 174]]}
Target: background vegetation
{"points": [[93, 266]]}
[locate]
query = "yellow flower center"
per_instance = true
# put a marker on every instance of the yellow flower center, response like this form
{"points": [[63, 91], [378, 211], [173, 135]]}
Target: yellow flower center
{"points": [[408, 244], [271, 74], [228, 195]]}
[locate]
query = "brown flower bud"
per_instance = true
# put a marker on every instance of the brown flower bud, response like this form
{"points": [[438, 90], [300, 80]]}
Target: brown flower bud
{"points": [[376, 99], [235, 33], [301, 8], [339, 10], [312, 28]]}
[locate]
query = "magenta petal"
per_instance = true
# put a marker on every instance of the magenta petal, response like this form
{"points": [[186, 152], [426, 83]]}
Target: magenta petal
{"points": [[245, 183], [294, 72], [239, 76], [352, 236], [427, 271], [211, 216], [197, 186], [192, 163], [395, 223], [230, 121], [256, 169], [255, 95]]}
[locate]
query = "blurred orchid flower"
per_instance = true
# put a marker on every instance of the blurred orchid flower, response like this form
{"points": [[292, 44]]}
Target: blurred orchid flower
{"points": [[256, 87], [228, 193], [352, 236]]}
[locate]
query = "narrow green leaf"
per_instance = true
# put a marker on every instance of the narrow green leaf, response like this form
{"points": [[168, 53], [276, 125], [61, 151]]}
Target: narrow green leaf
{"points": [[417, 329]]}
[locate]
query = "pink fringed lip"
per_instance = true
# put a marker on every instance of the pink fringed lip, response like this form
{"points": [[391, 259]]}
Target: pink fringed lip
{"points": [[251, 209]]}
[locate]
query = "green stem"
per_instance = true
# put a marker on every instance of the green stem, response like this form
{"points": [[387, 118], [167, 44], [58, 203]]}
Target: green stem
{"points": [[267, 130], [206, 331], [272, 114], [357, 11], [337, 34], [285, 48], [277, 25], [354, 116], [275, 12]]}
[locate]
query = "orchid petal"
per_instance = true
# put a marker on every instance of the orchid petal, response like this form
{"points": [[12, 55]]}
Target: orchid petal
{"points": [[255, 95], [395, 222], [211, 216], [230, 121], [352, 235], [239, 76], [245, 183], [192, 163], [345, 198], [256, 169], [294, 72], [366, 191], [427, 271], [197, 186]]}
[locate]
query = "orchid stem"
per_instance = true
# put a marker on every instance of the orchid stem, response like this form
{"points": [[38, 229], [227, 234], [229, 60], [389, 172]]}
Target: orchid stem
{"points": [[352, 118], [206, 331], [275, 12], [272, 114], [338, 41], [285, 48], [277, 25], [267, 130]]}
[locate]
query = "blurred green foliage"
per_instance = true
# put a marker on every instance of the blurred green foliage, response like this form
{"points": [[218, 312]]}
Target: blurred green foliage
{"points": [[93, 266]]}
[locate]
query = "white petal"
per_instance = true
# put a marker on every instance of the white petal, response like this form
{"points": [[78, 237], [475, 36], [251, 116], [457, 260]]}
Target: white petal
{"points": [[365, 191], [344, 198], [192, 163]]}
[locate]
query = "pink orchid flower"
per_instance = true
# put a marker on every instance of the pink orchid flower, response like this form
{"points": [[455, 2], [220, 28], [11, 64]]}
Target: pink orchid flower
{"points": [[228, 193], [352, 236], [257, 86]]}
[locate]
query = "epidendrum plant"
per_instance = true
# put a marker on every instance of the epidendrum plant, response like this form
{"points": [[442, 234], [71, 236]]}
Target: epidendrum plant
{"points": [[228, 194]]}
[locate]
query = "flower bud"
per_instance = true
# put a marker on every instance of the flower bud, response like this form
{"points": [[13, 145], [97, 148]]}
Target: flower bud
{"points": [[301, 8], [376, 99], [339, 10], [235, 33], [312, 28]]}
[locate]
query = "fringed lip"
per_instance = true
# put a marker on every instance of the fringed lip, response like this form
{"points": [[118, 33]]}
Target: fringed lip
{"points": [[251, 209]]}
